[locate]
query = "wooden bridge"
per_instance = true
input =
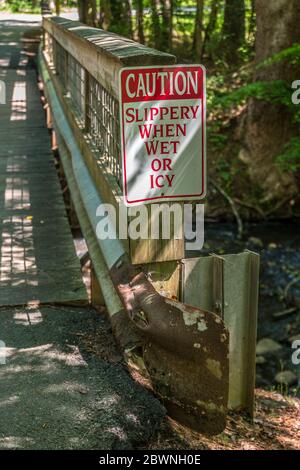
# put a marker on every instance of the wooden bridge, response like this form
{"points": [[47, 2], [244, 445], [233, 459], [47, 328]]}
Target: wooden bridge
{"points": [[38, 259], [79, 70]]}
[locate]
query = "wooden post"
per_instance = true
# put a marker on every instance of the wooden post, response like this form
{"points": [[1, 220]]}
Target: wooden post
{"points": [[157, 250], [66, 65], [48, 117], [53, 140], [87, 118], [160, 258], [97, 298]]}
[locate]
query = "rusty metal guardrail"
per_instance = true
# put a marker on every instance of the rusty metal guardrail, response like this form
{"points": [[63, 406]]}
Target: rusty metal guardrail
{"points": [[185, 349]]}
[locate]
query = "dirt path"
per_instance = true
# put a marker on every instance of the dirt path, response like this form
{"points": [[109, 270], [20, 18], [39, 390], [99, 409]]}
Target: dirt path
{"points": [[276, 426], [55, 394]]}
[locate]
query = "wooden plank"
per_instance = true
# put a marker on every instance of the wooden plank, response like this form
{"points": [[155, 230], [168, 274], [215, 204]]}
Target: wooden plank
{"points": [[157, 250], [37, 255]]}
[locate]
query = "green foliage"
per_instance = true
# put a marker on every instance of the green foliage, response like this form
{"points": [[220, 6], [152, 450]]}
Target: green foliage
{"points": [[289, 159], [217, 140], [291, 54], [16, 6], [30, 6], [224, 171], [276, 92], [215, 85]]}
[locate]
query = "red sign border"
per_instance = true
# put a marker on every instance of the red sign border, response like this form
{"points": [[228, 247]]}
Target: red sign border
{"points": [[203, 128]]}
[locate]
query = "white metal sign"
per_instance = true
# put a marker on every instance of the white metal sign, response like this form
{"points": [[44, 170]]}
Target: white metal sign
{"points": [[162, 113]]}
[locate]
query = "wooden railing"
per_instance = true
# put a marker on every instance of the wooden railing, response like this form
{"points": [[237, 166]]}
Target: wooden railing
{"points": [[84, 63]]}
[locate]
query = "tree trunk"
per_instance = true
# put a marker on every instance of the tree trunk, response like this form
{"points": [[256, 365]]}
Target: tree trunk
{"points": [[93, 13], [57, 7], [266, 128], [140, 20], [82, 11], [167, 24], [197, 42], [121, 17], [87, 12], [234, 29], [155, 24], [105, 14], [128, 17], [215, 6]]}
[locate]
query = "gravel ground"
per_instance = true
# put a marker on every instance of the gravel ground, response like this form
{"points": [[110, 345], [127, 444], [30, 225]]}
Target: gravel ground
{"points": [[56, 394]]}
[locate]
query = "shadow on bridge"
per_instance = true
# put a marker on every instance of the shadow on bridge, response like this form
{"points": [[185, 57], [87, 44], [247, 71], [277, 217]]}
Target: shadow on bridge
{"points": [[37, 256]]}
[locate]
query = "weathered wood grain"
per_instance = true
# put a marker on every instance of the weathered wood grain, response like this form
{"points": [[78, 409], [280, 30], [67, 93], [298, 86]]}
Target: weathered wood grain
{"points": [[37, 255]]}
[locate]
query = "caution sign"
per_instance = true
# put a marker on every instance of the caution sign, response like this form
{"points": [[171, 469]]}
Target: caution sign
{"points": [[162, 112]]}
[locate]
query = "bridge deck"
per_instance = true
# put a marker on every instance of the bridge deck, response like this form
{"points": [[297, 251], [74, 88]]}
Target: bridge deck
{"points": [[37, 255]]}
